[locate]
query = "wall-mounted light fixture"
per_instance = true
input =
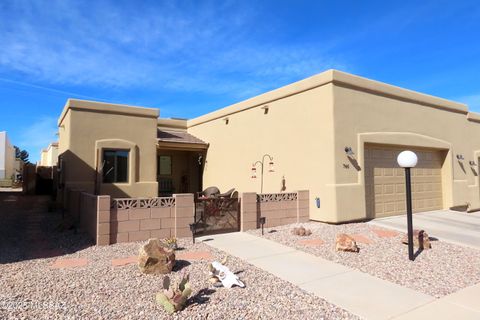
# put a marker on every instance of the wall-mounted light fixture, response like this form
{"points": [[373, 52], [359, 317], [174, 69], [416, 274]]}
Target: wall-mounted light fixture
{"points": [[226, 120], [472, 163], [349, 151], [317, 202], [265, 109], [460, 157]]}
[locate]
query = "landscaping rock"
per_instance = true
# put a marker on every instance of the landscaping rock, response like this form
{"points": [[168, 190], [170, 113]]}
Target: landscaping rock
{"points": [[345, 243], [155, 258], [301, 231], [420, 239]]}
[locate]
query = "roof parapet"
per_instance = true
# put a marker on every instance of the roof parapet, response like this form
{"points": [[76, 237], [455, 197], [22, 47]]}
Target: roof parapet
{"points": [[473, 116], [179, 124], [87, 105], [338, 78]]}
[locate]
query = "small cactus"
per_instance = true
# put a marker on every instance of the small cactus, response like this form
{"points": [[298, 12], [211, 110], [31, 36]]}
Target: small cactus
{"points": [[173, 297]]}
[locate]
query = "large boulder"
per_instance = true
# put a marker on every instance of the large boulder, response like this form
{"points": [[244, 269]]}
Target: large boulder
{"points": [[345, 243], [155, 258], [421, 239]]}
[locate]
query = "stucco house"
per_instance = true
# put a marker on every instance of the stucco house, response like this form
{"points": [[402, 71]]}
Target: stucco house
{"points": [[7, 159], [334, 134], [49, 156]]}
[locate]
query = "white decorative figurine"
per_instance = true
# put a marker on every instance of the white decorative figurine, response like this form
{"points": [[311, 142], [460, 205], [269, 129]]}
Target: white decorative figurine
{"points": [[227, 277]]}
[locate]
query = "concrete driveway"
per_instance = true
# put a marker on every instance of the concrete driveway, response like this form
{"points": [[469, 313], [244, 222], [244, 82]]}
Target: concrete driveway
{"points": [[446, 225]]}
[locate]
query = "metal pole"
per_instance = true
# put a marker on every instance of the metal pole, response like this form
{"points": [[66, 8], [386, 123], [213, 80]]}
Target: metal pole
{"points": [[409, 214], [261, 185]]}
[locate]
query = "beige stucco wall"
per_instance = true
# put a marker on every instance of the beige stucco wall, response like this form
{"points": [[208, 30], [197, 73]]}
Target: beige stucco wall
{"points": [[86, 128], [52, 155], [297, 132], [310, 123], [43, 158], [49, 156], [306, 128], [363, 116]]}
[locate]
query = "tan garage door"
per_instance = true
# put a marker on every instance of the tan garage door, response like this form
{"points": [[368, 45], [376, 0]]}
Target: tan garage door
{"points": [[385, 181]]}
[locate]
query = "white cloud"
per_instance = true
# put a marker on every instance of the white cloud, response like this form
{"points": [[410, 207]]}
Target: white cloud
{"points": [[184, 46], [38, 135]]}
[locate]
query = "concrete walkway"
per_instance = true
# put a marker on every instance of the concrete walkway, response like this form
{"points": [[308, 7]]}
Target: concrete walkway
{"points": [[462, 304], [362, 294], [450, 226]]}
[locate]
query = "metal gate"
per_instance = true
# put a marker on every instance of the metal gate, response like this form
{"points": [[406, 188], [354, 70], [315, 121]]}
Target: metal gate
{"points": [[216, 215]]}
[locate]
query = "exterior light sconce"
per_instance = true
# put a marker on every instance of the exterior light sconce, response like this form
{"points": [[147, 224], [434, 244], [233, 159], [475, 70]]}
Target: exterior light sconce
{"points": [[472, 163], [317, 202], [262, 221], [408, 159], [265, 109], [460, 157], [262, 163], [226, 120], [349, 152]]}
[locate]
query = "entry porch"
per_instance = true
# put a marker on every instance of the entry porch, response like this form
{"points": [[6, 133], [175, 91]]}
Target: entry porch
{"points": [[180, 162]]}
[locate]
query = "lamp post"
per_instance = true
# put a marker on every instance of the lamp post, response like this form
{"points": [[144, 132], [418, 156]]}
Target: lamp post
{"points": [[408, 159], [193, 227], [262, 221], [261, 163]]}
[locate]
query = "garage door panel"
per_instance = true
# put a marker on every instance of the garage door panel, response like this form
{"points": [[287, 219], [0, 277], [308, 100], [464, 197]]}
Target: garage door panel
{"points": [[389, 197], [385, 181], [400, 206]]}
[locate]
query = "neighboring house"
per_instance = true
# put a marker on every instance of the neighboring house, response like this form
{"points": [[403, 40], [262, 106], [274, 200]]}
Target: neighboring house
{"points": [[7, 158], [334, 134], [49, 156]]}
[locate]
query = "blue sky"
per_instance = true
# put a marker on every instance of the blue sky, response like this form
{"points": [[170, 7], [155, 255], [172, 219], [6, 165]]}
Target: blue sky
{"points": [[191, 57]]}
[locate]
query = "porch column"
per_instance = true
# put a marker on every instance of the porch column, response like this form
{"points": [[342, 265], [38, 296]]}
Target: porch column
{"points": [[184, 214], [248, 211], [303, 206]]}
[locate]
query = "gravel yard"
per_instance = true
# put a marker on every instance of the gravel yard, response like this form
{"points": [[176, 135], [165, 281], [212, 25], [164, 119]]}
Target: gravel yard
{"points": [[439, 271], [32, 289]]}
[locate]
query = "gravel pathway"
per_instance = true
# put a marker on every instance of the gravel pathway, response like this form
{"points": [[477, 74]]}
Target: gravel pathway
{"points": [[442, 270], [31, 289]]}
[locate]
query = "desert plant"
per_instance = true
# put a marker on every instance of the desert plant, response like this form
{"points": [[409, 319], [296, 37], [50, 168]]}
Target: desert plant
{"points": [[171, 243], [174, 296]]}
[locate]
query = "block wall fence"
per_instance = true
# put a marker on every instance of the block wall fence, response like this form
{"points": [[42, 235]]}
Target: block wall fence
{"points": [[110, 221], [278, 209]]}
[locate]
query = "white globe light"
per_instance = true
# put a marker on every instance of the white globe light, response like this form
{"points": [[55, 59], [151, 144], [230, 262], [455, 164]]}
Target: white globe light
{"points": [[407, 159]]}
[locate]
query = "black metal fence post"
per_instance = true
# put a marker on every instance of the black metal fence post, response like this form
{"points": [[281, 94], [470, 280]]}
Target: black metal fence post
{"points": [[262, 221], [409, 214]]}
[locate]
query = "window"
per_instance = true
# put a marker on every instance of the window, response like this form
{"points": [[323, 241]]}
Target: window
{"points": [[165, 165], [115, 166]]}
